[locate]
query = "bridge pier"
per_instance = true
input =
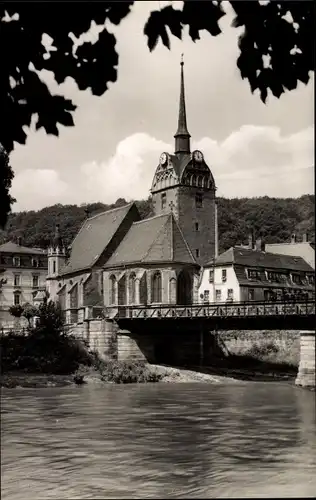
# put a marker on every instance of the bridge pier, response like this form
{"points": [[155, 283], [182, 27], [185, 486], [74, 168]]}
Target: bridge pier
{"points": [[306, 371]]}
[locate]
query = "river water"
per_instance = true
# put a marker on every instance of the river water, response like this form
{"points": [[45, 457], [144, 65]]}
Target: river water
{"points": [[247, 439]]}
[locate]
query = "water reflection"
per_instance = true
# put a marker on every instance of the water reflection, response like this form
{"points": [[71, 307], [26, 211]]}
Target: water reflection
{"points": [[160, 440]]}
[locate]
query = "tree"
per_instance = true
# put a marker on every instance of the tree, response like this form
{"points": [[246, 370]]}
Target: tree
{"points": [[6, 176], [281, 31]]}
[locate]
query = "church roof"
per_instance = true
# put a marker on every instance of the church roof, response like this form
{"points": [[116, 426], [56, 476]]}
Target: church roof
{"points": [[11, 247], [94, 237], [254, 258], [155, 240]]}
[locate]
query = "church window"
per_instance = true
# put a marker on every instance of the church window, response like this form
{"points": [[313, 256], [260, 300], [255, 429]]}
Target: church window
{"points": [[199, 200], [156, 288], [163, 200], [54, 266], [132, 287], [112, 290], [199, 181], [193, 180]]}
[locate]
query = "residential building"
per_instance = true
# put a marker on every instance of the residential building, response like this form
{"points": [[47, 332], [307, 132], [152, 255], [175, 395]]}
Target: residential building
{"points": [[251, 274], [304, 249], [23, 272]]}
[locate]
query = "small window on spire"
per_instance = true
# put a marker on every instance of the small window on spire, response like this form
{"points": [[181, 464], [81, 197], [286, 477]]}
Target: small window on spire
{"points": [[163, 200]]}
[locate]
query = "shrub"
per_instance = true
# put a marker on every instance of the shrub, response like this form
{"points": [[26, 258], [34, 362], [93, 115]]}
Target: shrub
{"points": [[126, 372]]}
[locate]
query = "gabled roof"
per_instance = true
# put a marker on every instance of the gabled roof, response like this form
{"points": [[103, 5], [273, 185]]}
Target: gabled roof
{"points": [[155, 240], [11, 247], [303, 249], [253, 258], [94, 237]]}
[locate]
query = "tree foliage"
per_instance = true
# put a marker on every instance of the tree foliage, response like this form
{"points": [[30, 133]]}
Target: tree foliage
{"points": [[6, 177], [277, 218]]}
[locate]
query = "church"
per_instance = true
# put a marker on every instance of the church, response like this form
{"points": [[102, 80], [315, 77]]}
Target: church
{"points": [[118, 259]]}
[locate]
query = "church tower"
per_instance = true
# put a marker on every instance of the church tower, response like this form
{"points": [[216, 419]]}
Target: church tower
{"points": [[56, 260], [183, 183]]}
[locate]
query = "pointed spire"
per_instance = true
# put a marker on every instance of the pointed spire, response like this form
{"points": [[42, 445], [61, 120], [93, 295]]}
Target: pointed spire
{"points": [[182, 136]]}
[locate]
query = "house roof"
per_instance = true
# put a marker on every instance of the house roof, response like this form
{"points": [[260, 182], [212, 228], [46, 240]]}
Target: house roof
{"points": [[252, 258], [303, 249], [11, 247], [157, 239], [94, 236]]}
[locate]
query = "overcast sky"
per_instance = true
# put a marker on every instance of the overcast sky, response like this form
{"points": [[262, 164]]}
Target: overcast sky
{"points": [[252, 149]]}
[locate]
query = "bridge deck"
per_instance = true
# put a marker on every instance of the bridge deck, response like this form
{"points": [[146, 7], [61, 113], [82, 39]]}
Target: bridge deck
{"points": [[221, 310]]}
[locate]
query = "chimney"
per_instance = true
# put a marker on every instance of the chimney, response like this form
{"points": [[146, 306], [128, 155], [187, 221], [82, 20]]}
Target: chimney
{"points": [[293, 238], [19, 240], [251, 238], [260, 245], [305, 238]]}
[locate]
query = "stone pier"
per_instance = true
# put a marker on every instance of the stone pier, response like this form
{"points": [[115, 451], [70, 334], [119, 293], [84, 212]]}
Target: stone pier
{"points": [[306, 370]]}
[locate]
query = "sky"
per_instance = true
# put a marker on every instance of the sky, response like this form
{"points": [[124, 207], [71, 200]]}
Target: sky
{"points": [[113, 150]]}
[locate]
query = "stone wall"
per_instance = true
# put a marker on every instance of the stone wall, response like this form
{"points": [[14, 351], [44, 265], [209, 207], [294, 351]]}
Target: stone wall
{"points": [[241, 342]]}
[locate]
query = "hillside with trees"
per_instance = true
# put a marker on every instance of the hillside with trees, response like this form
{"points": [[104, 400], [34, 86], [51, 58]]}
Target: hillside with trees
{"points": [[277, 218]]}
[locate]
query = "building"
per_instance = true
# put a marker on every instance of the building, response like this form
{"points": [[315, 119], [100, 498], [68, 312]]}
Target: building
{"points": [[151, 261], [304, 249], [23, 272], [252, 274]]}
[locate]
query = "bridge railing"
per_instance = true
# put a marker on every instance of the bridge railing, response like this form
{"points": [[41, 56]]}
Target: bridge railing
{"points": [[160, 311]]}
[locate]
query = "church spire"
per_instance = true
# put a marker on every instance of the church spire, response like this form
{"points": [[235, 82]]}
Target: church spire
{"points": [[182, 136]]}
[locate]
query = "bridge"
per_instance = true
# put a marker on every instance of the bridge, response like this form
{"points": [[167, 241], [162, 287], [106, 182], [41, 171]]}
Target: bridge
{"points": [[252, 315]]}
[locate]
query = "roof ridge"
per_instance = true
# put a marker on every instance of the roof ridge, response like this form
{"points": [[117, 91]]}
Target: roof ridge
{"points": [[154, 240], [185, 242], [151, 218], [110, 210]]}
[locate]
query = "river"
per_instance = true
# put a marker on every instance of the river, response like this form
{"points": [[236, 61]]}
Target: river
{"points": [[247, 439]]}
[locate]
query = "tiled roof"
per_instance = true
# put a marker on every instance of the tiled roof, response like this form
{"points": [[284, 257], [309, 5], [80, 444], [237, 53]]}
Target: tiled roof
{"points": [[253, 258], [93, 238], [158, 239], [11, 247], [300, 249]]}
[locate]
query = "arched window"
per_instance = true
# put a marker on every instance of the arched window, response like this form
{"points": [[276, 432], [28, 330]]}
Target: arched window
{"points": [[199, 181], [193, 180], [156, 290], [112, 289], [132, 288]]}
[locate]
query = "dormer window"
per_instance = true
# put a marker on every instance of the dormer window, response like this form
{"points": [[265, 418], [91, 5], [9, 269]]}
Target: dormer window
{"points": [[16, 261], [297, 279], [253, 274], [311, 279]]}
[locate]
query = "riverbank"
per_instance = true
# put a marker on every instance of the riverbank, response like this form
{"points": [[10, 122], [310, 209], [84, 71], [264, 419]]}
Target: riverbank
{"points": [[160, 374]]}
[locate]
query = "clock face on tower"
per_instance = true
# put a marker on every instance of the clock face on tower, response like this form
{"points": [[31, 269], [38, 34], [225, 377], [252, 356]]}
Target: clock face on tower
{"points": [[198, 156], [163, 159]]}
